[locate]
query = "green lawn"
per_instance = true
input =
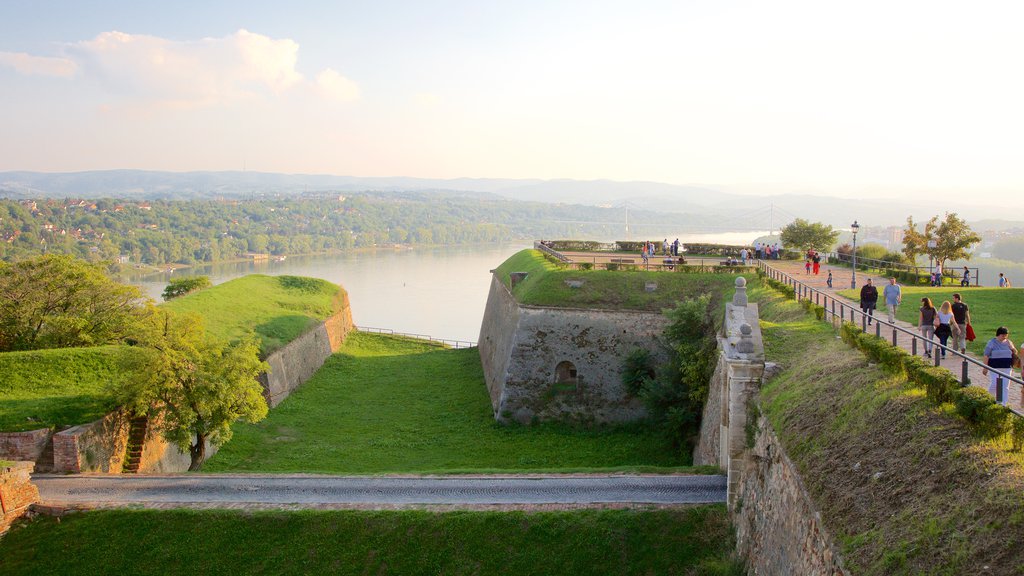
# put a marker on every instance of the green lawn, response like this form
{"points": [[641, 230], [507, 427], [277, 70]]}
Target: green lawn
{"points": [[545, 285], [696, 540], [384, 404], [275, 309], [990, 308], [69, 386]]}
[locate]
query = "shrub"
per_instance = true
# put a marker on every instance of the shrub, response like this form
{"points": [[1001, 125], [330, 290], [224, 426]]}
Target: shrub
{"points": [[1017, 432], [638, 369], [586, 265], [980, 410], [612, 266], [871, 250], [185, 285]]}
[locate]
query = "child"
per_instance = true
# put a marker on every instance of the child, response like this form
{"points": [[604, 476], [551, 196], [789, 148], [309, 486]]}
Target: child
{"points": [[829, 281], [807, 267]]}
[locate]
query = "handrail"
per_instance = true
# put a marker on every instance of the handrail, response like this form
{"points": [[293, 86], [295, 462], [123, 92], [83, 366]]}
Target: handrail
{"points": [[921, 271], [424, 337], [802, 290], [551, 251]]}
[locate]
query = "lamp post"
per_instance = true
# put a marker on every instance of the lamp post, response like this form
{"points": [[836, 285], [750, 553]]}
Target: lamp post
{"points": [[854, 227]]}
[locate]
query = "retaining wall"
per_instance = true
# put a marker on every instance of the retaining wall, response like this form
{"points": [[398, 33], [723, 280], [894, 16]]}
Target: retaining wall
{"points": [[23, 445], [521, 348], [17, 492]]}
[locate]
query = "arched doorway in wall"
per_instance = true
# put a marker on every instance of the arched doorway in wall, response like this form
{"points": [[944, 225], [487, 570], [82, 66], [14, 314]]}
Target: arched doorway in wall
{"points": [[565, 376]]}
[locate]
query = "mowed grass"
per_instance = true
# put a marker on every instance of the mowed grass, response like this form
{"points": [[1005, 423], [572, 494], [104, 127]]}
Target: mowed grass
{"points": [[695, 540], [990, 308], [275, 309], [545, 285], [389, 405], [63, 387]]}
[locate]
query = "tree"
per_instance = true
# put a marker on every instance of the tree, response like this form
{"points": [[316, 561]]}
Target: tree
{"points": [[185, 285], [951, 237], [196, 384], [803, 235], [60, 301]]}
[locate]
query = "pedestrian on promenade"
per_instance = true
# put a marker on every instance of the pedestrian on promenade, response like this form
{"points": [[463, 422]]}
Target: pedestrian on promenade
{"points": [[926, 325], [947, 324], [643, 253], [1002, 280], [829, 280], [817, 263], [743, 256], [893, 298], [967, 277], [999, 357], [807, 266], [962, 314], [868, 299]]}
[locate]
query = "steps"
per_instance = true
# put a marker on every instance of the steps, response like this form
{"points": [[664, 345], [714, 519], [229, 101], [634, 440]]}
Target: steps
{"points": [[45, 461], [136, 441]]}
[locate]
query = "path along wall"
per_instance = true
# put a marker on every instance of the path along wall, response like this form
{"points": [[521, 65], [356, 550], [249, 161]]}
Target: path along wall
{"points": [[778, 529], [17, 492], [100, 446], [562, 363]]}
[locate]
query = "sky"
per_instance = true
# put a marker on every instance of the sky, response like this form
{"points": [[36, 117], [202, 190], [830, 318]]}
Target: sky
{"points": [[916, 100]]}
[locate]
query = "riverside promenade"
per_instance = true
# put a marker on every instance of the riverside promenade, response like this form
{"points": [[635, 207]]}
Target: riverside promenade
{"points": [[841, 277]]}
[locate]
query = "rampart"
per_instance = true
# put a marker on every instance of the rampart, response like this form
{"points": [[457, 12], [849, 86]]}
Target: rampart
{"points": [[17, 492], [561, 363], [778, 529]]}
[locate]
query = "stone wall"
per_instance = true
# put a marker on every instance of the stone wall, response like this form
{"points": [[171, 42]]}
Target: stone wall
{"points": [[302, 357], [23, 445], [522, 347], [778, 529], [17, 492], [708, 447]]}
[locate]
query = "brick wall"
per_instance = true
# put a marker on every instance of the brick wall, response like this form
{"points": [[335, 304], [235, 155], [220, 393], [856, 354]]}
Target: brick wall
{"points": [[17, 492], [95, 447], [23, 445]]}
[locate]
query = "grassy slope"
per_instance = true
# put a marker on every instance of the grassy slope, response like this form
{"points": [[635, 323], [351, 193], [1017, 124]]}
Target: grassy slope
{"points": [[545, 285], [58, 387], [990, 308], [384, 404], [275, 309], [942, 502], [680, 541]]}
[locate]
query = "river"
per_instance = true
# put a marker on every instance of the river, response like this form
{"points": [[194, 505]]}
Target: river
{"points": [[440, 292]]}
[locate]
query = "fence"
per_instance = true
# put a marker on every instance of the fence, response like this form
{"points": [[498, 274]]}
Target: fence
{"points": [[920, 273], [424, 337], [835, 308], [656, 263]]}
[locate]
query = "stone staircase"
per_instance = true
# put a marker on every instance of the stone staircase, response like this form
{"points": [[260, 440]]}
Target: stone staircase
{"points": [[45, 461], [136, 440]]}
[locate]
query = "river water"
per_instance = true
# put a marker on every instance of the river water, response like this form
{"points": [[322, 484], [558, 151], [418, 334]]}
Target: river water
{"points": [[439, 292]]}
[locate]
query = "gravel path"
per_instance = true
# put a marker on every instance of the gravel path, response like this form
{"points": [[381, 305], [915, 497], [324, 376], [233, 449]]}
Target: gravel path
{"points": [[83, 491]]}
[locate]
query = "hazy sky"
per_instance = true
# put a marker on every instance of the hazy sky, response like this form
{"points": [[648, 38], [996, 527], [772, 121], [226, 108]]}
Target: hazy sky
{"points": [[915, 99]]}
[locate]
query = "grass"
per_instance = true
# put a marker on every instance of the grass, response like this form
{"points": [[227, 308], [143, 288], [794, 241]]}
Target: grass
{"points": [[989, 307], [545, 285], [275, 309], [62, 387], [389, 405], [902, 485], [695, 540]]}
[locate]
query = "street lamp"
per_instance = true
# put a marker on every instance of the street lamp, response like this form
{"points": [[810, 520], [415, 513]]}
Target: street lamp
{"points": [[854, 227]]}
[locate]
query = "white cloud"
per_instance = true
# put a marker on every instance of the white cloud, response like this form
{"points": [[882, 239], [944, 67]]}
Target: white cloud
{"points": [[38, 65], [331, 84]]}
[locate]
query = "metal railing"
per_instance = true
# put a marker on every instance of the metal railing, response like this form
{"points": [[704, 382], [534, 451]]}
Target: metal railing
{"points": [[921, 272], [837, 309], [551, 251], [428, 339], [655, 262]]}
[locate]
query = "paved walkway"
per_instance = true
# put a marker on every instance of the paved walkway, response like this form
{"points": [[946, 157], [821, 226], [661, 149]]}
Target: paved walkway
{"points": [[313, 491], [841, 277]]}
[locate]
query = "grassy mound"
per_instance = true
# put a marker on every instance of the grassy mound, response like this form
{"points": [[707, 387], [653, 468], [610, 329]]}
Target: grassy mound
{"points": [[990, 308], [903, 485], [68, 386], [384, 404], [545, 285], [275, 309], [694, 540]]}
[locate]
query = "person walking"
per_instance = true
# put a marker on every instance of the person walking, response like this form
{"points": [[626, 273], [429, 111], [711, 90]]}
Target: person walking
{"points": [[999, 358], [966, 281], [807, 266], [817, 263], [829, 280], [893, 298], [962, 314], [868, 299], [946, 324], [926, 325], [1002, 280]]}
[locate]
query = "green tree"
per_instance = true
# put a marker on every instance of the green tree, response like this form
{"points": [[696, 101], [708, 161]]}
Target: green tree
{"points": [[185, 285], [60, 301], [803, 235], [951, 239], [196, 385]]}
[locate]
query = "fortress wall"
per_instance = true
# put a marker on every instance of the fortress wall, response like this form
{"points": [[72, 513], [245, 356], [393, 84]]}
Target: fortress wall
{"points": [[23, 445], [95, 447], [497, 337], [17, 492]]}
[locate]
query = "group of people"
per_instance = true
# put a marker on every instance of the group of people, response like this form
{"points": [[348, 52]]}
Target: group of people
{"points": [[951, 320], [650, 249], [766, 251], [813, 262]]}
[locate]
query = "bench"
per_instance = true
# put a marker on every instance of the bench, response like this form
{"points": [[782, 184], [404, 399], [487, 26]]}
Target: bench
{"points": [[621, 260]]}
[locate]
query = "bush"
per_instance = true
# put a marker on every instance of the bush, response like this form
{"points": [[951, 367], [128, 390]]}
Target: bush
{"points": [[575, 245], [586, 265], [1017, 432], [980, 410], [872, 250], [637, 371], [185, 285]]}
